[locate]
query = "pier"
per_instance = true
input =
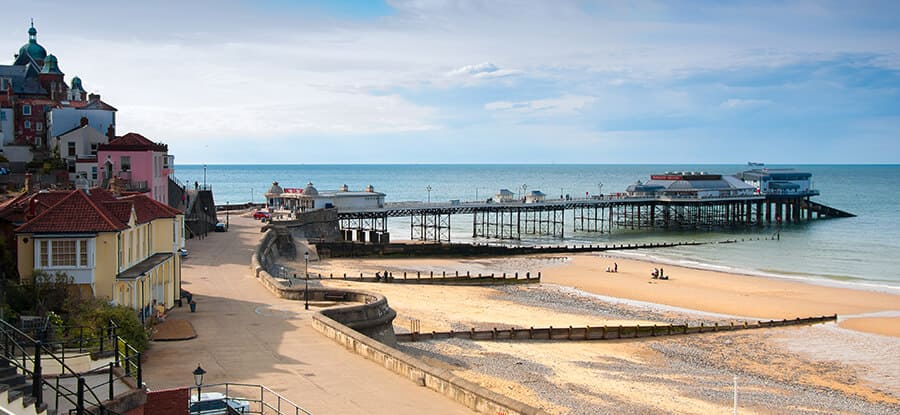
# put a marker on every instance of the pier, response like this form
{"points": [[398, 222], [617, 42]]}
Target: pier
{"points": [[513, 220]]}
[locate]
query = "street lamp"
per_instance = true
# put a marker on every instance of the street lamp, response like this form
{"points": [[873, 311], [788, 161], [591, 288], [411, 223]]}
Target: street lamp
{"points": [[524, 189], [306, 290], [198, 380], [226, 214], [428, 188]]}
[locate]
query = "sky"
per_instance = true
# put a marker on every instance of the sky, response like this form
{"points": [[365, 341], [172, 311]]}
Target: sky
{"points": [[493, 81]]}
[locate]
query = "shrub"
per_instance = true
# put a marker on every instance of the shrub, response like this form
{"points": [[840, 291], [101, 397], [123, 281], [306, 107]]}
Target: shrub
{"points": [[97, 314]]}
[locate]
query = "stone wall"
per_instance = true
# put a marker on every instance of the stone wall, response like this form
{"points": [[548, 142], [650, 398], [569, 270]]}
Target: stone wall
{"points": [[473, 396]]}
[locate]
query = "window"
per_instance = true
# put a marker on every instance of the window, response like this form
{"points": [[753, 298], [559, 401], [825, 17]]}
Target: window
{"points": [[93, 149], [69, 253], [94, 173], [63, 254], [4, 84], [26, 109], [82, 252], [125, 163], [45, 253], [39, 126], [71, 148], [27, 125]]}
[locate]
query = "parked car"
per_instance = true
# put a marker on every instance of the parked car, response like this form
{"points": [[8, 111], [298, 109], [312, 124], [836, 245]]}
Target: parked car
{"points": [[183, 252], [261, 214], [220, 227], [215, 403]]}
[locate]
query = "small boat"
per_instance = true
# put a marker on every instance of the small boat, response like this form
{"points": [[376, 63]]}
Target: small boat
{"points": [[755, 164]]}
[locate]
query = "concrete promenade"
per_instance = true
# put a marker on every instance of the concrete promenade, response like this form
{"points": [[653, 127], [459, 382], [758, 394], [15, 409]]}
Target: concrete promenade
{"points": [[246, 335]]}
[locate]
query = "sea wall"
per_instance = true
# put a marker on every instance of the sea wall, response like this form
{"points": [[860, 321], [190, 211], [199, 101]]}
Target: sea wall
{"points": [[473, 396]]}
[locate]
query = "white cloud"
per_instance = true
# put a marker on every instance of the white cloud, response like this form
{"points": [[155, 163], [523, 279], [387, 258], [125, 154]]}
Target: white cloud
{"points": [[564, 105], [737, 103], [483, 70]]}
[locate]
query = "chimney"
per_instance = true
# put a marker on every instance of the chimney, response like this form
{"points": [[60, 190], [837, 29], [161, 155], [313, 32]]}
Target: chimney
{"points": [[27, 182], [31, 209], [84, 121], [111, 132], [93, 97]]}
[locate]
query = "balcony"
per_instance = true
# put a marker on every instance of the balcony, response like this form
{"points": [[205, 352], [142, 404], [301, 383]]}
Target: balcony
{"points": [[137, 186]]}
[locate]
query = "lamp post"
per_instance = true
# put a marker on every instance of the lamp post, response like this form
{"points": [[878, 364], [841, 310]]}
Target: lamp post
{"points": [[198, 380], [524, 189], [428, 189], [226, 215], [251, 195], [306, 289]]}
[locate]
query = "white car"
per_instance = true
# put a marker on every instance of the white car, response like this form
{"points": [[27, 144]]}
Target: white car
{"points": [[215, 403]]}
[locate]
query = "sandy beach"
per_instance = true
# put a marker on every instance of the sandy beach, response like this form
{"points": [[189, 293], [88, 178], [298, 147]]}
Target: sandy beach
{"points": [[824, 368]]}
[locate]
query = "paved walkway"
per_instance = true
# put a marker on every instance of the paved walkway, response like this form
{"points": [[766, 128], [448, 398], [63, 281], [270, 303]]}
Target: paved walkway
{"points": [[247, 335]]}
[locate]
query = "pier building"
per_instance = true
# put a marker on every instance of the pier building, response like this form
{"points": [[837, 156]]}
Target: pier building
{"points": [[309, 197]]}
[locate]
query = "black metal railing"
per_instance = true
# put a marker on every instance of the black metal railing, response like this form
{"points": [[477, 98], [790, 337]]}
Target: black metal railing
{"points": [[257, 398], [28, 355]]}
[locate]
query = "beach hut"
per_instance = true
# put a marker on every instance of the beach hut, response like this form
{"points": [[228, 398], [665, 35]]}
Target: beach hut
{"points": [[536, 196], [504, 195]]}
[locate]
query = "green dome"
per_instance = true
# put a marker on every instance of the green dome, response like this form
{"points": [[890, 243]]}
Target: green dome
{"points": [[76, 83], [37, 52], [50, 65]]}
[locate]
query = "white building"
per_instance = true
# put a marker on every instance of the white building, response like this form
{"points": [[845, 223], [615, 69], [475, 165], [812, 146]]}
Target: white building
{"points": [[690, 185], [78, 148], [342, 199], [504, 196], [536, 196], [787, 182], [100, 115]]}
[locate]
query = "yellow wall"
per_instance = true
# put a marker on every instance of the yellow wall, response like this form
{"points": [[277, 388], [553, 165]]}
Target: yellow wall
{"points": [[105, 264], [26, 255]]}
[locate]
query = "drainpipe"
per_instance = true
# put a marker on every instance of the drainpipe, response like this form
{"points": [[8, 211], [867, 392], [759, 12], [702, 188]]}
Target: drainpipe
{"points": [[140, 279]]}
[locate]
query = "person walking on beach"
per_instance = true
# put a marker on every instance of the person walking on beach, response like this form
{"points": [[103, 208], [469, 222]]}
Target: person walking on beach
{"points": [[615, 267]]}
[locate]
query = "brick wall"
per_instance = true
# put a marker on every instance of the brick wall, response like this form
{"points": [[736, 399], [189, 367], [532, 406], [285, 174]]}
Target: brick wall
{"points": [[167, 402]]}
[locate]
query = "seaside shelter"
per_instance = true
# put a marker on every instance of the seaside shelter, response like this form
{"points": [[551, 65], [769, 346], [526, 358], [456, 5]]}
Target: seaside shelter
{"points": [[504, 196], [536, 196], [119, 248]]}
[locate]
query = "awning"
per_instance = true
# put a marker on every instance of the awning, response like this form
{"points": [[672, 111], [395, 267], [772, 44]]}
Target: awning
{"points": [[142, 267]]}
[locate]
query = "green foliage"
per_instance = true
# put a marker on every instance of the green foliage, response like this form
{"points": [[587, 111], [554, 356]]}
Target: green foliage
{"points": [[97, 314]]}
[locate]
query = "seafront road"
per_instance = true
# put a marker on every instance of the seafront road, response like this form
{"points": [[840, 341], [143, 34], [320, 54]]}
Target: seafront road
{"points": [[247, 335]]}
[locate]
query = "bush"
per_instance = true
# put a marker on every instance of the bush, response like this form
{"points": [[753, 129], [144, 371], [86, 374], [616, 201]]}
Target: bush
{"points": [[97, 314]]}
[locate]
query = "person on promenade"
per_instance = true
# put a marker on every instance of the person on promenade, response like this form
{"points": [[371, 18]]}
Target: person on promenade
{"points": [[615, 267]]}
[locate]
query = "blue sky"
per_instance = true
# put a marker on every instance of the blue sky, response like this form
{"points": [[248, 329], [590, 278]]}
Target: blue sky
{"points": [[281, 81]]}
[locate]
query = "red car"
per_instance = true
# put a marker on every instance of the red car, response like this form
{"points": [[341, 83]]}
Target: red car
{"points": [[259, 214]]}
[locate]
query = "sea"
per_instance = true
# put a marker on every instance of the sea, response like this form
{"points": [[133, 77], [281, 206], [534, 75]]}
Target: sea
{"points": [[861, 252]]}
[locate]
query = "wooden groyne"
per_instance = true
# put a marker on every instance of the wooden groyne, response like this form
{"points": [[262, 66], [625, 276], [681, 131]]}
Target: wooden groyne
{"points": [[431, 277], [604, 332], [349, 249]]}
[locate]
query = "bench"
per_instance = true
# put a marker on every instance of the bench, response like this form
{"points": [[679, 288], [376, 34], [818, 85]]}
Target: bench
{"points": [[336, 296]]}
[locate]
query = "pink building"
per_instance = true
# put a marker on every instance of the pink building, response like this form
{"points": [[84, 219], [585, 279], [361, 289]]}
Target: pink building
{"points": [[137, 163]]}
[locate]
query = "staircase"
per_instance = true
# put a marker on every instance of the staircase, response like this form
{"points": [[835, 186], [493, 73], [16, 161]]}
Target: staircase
{"points": [[15, 396]]}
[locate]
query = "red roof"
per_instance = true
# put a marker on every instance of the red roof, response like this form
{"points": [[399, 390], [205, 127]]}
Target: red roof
{"points": [[132, 142], [75, 213], [97, 211]]}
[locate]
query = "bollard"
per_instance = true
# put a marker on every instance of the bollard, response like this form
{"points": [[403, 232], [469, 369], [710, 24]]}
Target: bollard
{"points": [[457, 273], [404, 275], [569, 335], [444, 274], [432, 274], [527, 275], [517, 275], [467, 274], [418, 274], [504, 275]]}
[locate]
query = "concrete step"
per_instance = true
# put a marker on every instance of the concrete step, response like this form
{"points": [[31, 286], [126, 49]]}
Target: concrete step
{"points": [[12, 379]]}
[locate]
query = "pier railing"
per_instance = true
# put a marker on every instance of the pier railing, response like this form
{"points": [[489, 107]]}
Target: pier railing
{"points": [[605, 332]]}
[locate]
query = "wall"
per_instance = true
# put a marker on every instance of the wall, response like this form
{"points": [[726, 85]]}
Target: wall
{"points": [[472, 395], [65, 119], [167, 402]]}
